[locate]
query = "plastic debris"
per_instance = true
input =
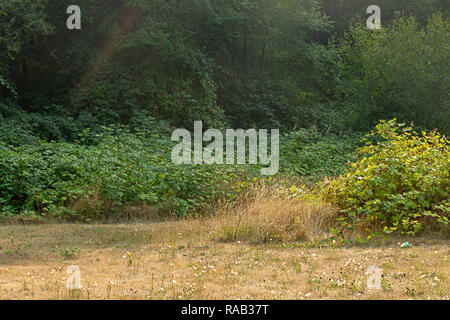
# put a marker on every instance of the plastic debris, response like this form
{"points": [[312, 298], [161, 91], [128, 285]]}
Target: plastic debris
{"points": [[405, 245]]}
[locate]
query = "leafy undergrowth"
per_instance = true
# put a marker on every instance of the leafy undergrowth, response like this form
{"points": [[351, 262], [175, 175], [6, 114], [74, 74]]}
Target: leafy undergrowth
{"points": [[401, 183], [106, 176], [72, 172], [313, 156]]}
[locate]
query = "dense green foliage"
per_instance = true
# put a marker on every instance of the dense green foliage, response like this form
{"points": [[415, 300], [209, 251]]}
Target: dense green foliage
{"points": [[241, 63], [344, 12], [312, 155], [398, 72], [86, 115], [118, 166], [115, 169], [399, 181]]}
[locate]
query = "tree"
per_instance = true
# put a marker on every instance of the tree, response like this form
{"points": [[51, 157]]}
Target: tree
{"points": [[399, 71]]}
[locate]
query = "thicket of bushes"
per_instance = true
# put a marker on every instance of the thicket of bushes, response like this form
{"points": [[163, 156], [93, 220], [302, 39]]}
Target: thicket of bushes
{"points": [[116, 168], [400, 182], [314, 155], [49, 164]]}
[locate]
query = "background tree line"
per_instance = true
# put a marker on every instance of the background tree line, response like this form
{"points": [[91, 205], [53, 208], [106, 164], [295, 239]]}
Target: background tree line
{"points": [[263, 63]]}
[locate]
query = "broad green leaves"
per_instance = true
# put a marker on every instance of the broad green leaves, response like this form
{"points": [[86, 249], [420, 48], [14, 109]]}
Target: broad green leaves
{"points": [[397, 183]]}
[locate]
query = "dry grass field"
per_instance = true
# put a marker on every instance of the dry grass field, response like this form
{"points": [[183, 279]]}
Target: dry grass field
{"points": [[189, 260], [265, 247]]}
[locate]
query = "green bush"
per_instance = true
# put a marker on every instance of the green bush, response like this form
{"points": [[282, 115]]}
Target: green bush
{"points": [[116, 169], [398, 184], [51, 164], [312, 155]]}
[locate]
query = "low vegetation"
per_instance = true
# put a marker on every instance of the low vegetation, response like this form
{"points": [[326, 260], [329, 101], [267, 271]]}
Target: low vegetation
{"points": [[187, 260], [400, 182]]}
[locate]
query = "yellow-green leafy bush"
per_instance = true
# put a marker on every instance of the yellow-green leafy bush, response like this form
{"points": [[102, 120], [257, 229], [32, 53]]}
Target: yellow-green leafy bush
{"points": [[399, 183]]}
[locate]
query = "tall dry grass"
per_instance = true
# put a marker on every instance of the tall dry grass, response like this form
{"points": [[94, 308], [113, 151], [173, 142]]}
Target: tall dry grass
{"points": [[267, 214]]}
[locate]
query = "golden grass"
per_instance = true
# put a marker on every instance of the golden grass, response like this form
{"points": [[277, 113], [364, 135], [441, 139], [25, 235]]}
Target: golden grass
{"points": [[265, 215], [182, 260], [248, 251]]}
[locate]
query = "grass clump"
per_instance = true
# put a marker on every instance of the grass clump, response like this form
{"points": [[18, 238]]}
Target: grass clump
{"points": [[267, 214]]}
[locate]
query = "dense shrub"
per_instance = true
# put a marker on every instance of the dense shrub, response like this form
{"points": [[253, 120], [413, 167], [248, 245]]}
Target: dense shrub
{"points": [[398, 184], [117, 169], [312, 155]]}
